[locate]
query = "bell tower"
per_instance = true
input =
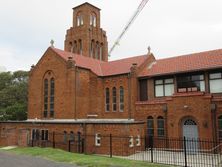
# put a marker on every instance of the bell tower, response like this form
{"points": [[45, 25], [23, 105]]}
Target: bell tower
{"points": [[85, 37]]}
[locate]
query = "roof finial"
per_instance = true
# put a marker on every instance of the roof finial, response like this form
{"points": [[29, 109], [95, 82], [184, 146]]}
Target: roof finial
{"points": [[149, 50], [52, 43]]}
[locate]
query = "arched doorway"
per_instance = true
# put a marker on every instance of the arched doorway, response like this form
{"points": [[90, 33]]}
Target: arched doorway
{"points": [[190, 132]]}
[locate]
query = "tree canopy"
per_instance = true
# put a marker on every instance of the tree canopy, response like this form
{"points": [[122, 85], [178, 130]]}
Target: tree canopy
{"points": [[13, 95]]}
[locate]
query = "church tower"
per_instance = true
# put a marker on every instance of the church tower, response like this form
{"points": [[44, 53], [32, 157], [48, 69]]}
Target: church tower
{"points": [[86, 37]]}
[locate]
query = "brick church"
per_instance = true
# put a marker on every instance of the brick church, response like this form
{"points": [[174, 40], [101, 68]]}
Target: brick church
{"points": [[77, 91]]}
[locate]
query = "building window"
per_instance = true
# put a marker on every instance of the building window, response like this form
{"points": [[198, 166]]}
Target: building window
{"points": [[75, 47], [80, 47], [143, 90], [71, 137], [114, 99], [215, 82], [160, 127], [46, 85], [97, 50], [93, 19], [101, 52], [150, 126], [164, 87], [190, 83], [65, 137], [98, 139], [121, 99], [35, 134], [220, 127], [79, 20], [45, 135], [91, 48], [138, 141], [131, 144], [107, 99], [52, 93]]}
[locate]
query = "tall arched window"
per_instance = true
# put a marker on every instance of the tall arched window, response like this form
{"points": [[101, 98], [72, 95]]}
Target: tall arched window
{"points": [[107, 99], [92, 48], [160, 127], [101, 52], [150, 126], [75, 47], [220, 127], [80, 47], [93, 19], [79, 19], [46, 90], [114, 99], [97, 50], [65, 138], [121, 99], [52, 96]]}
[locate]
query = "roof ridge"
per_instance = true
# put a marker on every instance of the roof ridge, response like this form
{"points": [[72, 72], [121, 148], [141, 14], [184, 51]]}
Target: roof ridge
{"points": [[190, 54]]}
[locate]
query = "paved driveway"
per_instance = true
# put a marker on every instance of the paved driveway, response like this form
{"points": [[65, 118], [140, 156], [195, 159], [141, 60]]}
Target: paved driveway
{"points": [[12, 160]]}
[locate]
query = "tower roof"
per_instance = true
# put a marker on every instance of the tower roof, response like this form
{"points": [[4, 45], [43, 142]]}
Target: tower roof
{"points": [[88, 4]]}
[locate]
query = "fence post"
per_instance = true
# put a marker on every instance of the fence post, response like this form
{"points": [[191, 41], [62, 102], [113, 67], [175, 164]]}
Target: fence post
{"points": [[111, 146], [151, 145], [69, 145], [185, 150], [53, 139]]}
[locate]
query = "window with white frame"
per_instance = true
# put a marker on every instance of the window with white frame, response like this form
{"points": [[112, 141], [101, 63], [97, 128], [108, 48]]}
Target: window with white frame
{"points": [[215, 82], [131, 144], [138, 141], [164, 87], [93, 19], [98, 139]]}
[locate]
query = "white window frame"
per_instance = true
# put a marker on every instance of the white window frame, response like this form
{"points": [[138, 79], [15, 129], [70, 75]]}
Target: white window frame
{"points": [[131, 144], [138, 141], [98, 139]]}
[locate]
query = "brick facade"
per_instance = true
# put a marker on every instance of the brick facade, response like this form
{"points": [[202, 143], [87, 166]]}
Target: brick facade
{"points": [[79, 101]]}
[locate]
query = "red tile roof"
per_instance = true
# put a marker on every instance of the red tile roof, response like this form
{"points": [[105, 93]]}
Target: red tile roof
{"points": [[102, 68], [186, 63]]}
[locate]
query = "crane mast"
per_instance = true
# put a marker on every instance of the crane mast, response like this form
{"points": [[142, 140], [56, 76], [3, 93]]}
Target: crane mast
{"points": [[132, 19]]}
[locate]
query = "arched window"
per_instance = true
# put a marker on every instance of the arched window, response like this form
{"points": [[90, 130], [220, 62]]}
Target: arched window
{"points": [[79, 19], [121, 99], [46, 90], [114, 99], [107, 99], [97, 50], [93, 19], [160, 127], [52, 96], [80, 47], [101, 52], [220, 127], [92, 48], [75, 47], [150, 126]]}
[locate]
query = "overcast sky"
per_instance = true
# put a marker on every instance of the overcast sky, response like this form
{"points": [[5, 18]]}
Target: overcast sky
{"points": [[170, 27]]}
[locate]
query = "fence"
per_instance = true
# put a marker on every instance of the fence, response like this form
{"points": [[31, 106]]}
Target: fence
{"points": [[181, 152]]}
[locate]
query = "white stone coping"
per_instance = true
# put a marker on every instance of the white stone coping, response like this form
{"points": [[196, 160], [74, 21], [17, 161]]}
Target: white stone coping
{"points": [[81, 121]]}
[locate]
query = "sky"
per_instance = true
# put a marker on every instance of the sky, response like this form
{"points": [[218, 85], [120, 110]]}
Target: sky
{"points": [[169, 27]]}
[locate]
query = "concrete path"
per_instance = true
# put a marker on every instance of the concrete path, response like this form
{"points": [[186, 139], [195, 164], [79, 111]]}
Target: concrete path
{"points": [[13, 160]]}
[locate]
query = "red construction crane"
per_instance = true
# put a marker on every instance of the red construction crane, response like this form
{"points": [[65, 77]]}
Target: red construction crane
{"points": [[132, 19]]}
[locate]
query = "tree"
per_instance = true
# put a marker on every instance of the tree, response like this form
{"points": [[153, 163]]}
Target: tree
{"points": [[13, 95]]}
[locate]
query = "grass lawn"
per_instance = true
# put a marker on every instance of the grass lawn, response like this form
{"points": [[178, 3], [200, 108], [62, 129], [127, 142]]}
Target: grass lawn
{"points": [[80, 159]]}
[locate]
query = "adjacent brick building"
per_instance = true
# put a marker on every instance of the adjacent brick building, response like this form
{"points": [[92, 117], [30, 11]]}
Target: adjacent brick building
{"points": [[78, 92]]}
